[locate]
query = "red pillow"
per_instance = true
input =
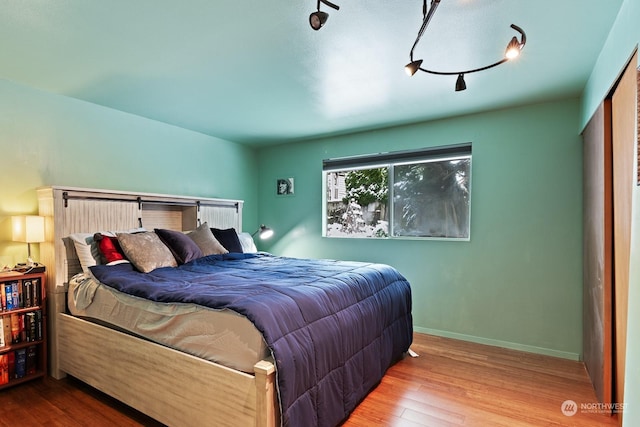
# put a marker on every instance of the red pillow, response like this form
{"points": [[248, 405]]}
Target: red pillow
{"points": [[109, 247]]}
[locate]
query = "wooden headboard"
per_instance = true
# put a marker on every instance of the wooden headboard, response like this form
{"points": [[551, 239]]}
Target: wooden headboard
{"points": [[69, 210]]}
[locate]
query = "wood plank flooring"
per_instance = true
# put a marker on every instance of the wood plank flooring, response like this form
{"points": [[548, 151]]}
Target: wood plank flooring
{"points": [[451, 383], [457, 383]]}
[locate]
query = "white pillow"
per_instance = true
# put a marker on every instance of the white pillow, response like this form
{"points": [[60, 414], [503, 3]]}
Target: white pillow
{"points": [[87, 248], [248, 245]]}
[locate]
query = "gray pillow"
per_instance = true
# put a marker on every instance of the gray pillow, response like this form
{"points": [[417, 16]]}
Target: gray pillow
{"points": [[208, 244], [146, 251]]}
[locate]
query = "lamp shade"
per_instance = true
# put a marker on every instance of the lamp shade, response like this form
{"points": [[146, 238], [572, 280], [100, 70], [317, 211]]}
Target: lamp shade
{"points": [[263, 232], [28, 228]]}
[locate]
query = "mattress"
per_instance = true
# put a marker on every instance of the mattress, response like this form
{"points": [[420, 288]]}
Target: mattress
{"points": [[221, 336]]}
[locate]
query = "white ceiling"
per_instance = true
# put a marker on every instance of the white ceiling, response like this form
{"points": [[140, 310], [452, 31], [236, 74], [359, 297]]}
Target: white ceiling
{"points": [[255, 72]]}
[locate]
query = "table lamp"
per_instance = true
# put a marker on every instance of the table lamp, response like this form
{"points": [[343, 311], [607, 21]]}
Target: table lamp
{"points": [[28, 229]]}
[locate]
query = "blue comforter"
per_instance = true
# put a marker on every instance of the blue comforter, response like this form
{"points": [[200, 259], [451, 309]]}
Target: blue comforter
{"points": [[333, 327]]}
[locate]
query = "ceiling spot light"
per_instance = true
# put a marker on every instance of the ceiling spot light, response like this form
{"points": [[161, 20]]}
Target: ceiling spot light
{"points": [[460, 84], [514, 47], [413, 67], [317, 19]]}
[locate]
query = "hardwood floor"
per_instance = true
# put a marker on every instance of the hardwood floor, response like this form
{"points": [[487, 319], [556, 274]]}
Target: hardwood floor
{"points": [[65, 403], [451, 383], [457, 383]]}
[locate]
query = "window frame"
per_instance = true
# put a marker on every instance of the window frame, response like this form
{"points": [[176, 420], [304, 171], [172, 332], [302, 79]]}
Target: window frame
{"points": [[390, 160]]}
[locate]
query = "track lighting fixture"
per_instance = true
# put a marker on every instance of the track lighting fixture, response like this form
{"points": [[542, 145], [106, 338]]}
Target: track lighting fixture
{"points": [[513, 50], [317, 19]]}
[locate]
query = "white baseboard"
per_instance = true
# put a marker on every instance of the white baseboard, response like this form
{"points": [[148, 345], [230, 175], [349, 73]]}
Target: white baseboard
{"points": [[498, 343]]}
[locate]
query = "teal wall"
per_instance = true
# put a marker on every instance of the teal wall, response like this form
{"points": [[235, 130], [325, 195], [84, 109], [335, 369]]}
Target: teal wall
{"points": [[623, 40], [518, 281], [48, 139]]}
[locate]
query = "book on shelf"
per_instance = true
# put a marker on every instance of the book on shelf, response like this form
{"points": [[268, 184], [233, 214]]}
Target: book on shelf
{"points": [[15, 328], [36, 289], [2, 341], [39, 326], [27, 292], [11, 297], [20, 294], [7, 299], [32, 360], [30, 326], [6, 329], [4, 368], [21, 362], [15, 293], [23, 326], [11, 358]]}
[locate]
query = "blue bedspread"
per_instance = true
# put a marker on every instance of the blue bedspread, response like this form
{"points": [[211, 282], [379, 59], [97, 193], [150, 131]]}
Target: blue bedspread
{"points": [[333, 327]]}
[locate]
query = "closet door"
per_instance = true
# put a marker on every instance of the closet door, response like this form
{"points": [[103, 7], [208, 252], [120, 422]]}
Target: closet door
{"points": [[597, 340], [624, 122]]}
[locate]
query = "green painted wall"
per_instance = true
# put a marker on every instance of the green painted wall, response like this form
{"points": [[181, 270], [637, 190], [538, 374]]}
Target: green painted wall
{"points": [[48, 139], [518, 281], [623, 40]]}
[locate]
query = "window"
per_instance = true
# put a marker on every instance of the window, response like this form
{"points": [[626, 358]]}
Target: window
{"points": [[408, 194]]}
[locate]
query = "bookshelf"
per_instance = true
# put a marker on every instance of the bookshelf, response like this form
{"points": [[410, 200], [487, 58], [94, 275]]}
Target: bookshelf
{"points": [[23, 340]]}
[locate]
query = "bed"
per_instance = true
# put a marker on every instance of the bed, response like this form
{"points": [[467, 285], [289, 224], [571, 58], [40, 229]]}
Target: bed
{"points": [[291, 374]]}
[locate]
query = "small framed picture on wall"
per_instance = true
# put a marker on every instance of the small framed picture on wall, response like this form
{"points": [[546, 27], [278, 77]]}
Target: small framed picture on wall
{"points": [[284, 187]]}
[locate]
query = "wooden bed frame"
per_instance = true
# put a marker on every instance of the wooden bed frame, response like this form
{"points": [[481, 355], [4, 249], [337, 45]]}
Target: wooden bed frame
{"points": [[170, 386]]}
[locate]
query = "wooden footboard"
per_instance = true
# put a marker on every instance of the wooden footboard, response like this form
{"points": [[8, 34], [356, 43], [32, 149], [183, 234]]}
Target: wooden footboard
{"points": [[173, 387]]}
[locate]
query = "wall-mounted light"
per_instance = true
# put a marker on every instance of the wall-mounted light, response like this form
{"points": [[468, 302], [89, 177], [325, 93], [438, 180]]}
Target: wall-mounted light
{"points": [[317, 19], [513, 50], [263, 232], [28, 229]]}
